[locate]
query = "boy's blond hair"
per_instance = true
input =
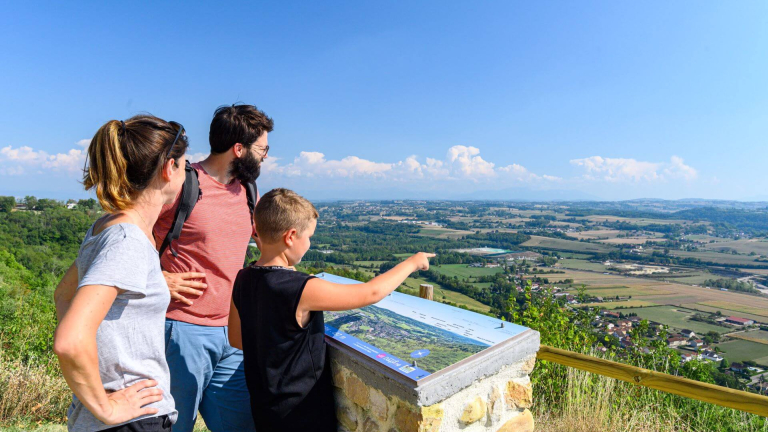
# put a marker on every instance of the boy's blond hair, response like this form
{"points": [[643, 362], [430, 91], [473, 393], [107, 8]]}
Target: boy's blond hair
{"points": [[279, 210]]}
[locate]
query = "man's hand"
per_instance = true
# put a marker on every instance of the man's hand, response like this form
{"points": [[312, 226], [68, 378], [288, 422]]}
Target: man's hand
{"points": [[179, 283], [128, 403]]}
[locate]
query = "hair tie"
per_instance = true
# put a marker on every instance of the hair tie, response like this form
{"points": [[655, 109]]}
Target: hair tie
{"points": [[122, 123]]}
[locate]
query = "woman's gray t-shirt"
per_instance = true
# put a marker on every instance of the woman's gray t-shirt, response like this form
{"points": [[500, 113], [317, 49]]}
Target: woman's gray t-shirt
{"points": [[131, 339]]}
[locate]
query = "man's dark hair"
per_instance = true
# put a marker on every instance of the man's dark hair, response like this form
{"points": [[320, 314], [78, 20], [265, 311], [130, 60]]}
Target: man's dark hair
{"points": [[234, 124]]}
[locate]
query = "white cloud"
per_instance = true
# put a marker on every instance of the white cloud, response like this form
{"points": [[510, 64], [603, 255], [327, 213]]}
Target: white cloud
{"points": [[196, 157], [84, 142], [632, 170], [461, 163], [72, 161]]}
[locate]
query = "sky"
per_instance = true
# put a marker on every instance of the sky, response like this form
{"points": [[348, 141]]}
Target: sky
{"points": [[414, 100]]}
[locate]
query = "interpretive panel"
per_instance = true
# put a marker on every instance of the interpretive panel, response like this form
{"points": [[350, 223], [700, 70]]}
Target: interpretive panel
{"points": [[413, 336]]}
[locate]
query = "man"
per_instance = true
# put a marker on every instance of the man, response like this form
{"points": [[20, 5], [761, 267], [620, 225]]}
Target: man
{"points": [[206, 372]]}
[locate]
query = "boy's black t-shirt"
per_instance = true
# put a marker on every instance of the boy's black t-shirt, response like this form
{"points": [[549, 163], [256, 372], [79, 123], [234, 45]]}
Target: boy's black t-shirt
{"points": [[285, 365]]}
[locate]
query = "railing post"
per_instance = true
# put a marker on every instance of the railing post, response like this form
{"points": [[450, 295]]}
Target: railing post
{"points": [[426, 291]]}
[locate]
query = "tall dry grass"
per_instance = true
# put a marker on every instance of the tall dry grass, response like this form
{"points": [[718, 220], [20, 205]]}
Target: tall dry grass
{"points": [[32, 393], [595, 403]]}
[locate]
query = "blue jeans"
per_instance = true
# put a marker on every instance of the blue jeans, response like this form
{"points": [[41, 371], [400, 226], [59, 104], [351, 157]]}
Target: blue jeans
{"points": [[207, 375]]}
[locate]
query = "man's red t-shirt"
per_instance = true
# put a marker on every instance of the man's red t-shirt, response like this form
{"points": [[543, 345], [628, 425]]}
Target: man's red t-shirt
{"points": [[214, 241]]}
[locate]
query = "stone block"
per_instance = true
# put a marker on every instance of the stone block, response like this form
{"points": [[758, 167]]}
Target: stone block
{"points": [[495, 404], [474, 410], [356, 390], [528, 365], [521, 423], [379, 404], [518, 395], [432, 418], [407, 420], [370, 425], [347, 417]]}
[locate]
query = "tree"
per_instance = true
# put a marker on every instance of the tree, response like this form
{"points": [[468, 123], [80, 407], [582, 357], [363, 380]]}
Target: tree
{"points": [[30, 201], [7, 203]]}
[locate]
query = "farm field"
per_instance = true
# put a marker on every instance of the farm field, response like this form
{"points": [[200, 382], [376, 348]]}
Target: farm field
{"points": [[636, 221], [738, 308], [463, 271], [725, 312], [621, 304], [580, 264], [631, 240], [569, 245], [667, 293], [741, 350], [596, 234], [439, 232], [675, 317], [719, 258], [744, 246], [759, 336], [692, 277]]}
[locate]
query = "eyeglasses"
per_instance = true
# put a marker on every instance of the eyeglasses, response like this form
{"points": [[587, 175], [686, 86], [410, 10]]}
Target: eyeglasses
{"points": [[178, 134], [265, 151]]}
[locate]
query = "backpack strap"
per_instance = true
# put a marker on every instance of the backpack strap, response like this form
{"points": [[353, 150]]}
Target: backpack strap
{"points": [[190, 194], [252, 194]]}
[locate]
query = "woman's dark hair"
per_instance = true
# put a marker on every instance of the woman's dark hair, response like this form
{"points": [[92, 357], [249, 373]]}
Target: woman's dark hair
{"points": [[234, 124], [124, 158]]}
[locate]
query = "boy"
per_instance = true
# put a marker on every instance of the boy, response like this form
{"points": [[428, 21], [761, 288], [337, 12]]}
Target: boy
{"points": [[276, 318]]}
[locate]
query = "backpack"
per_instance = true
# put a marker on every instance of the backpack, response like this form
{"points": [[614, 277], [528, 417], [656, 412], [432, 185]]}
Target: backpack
{"points": [[190, 195]]}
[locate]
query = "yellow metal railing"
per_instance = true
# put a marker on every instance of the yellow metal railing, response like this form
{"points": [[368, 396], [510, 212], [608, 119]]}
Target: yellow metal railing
{"points": [[714, 394]]}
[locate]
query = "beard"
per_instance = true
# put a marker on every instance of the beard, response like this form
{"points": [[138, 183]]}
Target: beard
{"points": [[246, 168]]}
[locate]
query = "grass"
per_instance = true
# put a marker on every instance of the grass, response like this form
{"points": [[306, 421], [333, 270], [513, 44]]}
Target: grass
{"points": [[740, 350], [675, 317], [590, 402], [738, 308], [579, 264], [744, 246], [719, 258], [569, 245], [463, 271], [726, 312], [625, 304], [759, 336]]}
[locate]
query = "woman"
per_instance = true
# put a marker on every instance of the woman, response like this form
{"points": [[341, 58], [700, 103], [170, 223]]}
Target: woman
{"points": [[110, 340]]}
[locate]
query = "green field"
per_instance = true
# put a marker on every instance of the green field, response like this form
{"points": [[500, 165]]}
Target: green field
{"points": [[690, 277], [670, 316], [569, 245], [463, 271], [744, 246], [580, 264], [719, 258], [740, 350], [622, 304]]}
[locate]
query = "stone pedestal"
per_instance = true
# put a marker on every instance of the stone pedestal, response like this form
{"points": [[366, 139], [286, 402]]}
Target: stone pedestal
{"points": [[490, 391]]}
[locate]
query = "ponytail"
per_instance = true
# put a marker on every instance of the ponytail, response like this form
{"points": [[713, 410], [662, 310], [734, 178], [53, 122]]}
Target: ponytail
{"points": [[124, 157]]}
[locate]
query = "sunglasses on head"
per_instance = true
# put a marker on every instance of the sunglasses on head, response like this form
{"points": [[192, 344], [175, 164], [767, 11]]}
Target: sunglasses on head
{"points": [[178, 134]]}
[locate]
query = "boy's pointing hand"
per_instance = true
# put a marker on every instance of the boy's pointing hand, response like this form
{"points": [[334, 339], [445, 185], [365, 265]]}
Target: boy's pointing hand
{"points": [[421, 260]]}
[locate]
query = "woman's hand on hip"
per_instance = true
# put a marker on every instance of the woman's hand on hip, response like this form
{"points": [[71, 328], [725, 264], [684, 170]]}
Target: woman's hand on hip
{"points": [[130, 403]]}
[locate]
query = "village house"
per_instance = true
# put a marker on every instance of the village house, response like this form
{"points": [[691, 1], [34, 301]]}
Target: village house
{"points": [[711, 356], [688, 333], [676, 341], [738, 367], [609, 314], [696, 343], [684, 358]]}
